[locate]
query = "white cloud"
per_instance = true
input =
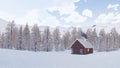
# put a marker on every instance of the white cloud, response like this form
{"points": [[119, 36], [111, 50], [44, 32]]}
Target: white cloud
{"points": [[41, 16], [113, 6], [87, 13], [75, 18], [68, 8], [65, 7], [111, 17]]}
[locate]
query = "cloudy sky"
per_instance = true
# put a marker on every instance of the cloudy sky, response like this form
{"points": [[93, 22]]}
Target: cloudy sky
{"points": [[61, 12]]}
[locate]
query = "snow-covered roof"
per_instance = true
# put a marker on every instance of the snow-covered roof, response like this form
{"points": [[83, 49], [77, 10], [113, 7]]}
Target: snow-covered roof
{"points": [[85, 43]]}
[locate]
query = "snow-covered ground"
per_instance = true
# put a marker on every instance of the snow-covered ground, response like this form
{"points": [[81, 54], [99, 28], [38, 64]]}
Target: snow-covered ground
{"points": [[26, 59]]}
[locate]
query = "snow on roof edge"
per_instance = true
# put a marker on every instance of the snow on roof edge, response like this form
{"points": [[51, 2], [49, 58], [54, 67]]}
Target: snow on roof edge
{"points": [[84, 42]]}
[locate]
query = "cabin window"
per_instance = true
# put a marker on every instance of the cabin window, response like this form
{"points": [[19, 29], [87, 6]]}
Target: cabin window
{"points": [[88, 49]]}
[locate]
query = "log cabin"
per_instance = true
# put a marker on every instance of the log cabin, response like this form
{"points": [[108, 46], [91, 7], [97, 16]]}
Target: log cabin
{"points": [[82, 46]]}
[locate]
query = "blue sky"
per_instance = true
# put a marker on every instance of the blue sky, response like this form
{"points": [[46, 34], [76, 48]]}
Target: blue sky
{"points": [[98, 6], [61, 12]]}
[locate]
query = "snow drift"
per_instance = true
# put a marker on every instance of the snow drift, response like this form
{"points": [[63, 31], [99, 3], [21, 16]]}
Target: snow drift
{"points": [[27, 59]]}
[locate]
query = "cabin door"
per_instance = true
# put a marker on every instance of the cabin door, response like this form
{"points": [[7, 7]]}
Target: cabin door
{"points": [[81, 51]]}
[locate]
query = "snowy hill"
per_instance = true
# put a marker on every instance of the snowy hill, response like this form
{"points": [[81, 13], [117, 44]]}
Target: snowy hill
{"points": [[25, 59]]}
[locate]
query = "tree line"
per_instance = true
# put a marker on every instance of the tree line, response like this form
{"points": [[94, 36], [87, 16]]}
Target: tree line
{"points": [[36, 39]]}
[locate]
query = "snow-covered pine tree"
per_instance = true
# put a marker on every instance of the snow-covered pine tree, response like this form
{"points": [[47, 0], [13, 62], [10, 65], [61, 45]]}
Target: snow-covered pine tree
{"points": [[114, 39], [102, 40], [95, 39], [10, 35], [36, 38], [66, 40], [56, 39], [118, 41], [15, 37], [46, 40], [89, 34], [2, 41], [73, 34], [26, 38], [108, 42], [20, 39]]}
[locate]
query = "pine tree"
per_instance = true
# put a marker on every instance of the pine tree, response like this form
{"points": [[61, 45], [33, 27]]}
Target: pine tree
{"points": [[89, 34], [73, 35], [102, 40], [2, 41], [26, 38], [56, 39], [66, 39], [36, 38], [20, 39], [47, 40], [95, 39], [114, 36], [108, 42], [10, 35], [118, 41]]}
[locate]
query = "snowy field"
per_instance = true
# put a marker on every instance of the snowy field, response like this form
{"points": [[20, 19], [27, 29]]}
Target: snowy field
{"points": [[26, 59]]}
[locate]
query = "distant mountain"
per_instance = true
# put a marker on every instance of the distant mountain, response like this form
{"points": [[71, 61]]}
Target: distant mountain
{"points": [[3, 24]]}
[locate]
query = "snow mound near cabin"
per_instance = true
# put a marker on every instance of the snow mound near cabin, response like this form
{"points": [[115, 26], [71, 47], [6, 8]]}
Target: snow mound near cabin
{"points": [[27, 59]]}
